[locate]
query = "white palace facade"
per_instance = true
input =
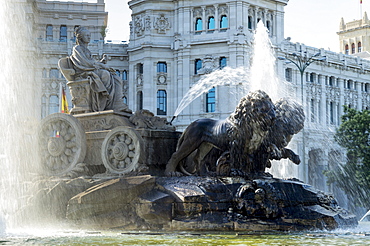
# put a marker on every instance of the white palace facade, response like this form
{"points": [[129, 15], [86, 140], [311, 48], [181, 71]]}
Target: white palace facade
{"points": [[174, 43]]}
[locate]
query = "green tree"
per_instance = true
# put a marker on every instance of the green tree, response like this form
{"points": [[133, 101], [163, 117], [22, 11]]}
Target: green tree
{"points": [[354, 177]]}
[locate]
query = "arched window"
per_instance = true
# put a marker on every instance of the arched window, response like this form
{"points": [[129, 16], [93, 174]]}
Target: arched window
{"points": [[211, 100], [63, 33], [250, 22], [367, 86], [49, 33], [118, 73], [359, 47], [124, 75], [161, 102], [161, 67], [353, 48], [223, 62], [198, 65], [139, 100], [198, 24], [125, 100], [346, 49], [211, 23], [53, 104], [224, 22]]}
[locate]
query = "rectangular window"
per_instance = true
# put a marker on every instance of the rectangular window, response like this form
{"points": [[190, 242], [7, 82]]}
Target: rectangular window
{"points": [[139, 100], [124, 75], [161, 102], [211, 100], [140, 68], [54, 73], [198, 65], [312, 110], [49, 33], [63, 33], [223, 62], [288, 74], [161, 67]]}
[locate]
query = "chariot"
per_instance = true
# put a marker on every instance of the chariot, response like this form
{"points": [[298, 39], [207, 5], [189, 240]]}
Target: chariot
{"points": [[120, 141]]}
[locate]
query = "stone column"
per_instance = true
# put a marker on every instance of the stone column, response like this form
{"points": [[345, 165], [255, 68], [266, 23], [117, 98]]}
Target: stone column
{"points": [[204, 18], [274, 24], [217, 17], [192, 25], [264, 16], [255, 16], [56, 30], [359, 94], [245, 15], [239, 14], [341, 98], [322, 116]]}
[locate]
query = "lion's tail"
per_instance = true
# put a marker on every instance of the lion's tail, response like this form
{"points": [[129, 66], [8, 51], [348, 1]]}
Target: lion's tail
{"points": [[181, 139]]}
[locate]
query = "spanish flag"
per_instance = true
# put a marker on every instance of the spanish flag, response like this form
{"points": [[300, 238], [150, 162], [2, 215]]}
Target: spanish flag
{"points": [[64, 104]]}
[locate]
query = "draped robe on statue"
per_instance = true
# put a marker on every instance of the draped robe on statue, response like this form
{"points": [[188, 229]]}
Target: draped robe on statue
{"points": [[106, 86]]}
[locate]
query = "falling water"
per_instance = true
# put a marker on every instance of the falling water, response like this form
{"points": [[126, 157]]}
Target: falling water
{"points": [[226, 76], [263, 69], [18, 110]]}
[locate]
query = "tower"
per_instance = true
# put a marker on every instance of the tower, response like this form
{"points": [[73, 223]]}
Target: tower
{"points": [[354, 37]]}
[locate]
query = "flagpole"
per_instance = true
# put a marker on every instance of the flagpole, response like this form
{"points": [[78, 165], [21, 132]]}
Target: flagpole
{"points": [[361, 9]]}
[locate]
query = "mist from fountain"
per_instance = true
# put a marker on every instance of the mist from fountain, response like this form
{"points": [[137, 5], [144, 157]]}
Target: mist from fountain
{"points": [[18, 154]]}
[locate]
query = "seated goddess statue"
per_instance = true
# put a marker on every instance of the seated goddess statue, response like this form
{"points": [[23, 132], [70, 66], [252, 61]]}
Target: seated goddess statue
{"points": [[105, 86]]}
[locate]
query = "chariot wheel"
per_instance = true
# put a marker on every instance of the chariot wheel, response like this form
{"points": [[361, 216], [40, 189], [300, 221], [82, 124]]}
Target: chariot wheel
{"points": [[62, 143], [122, 150]]}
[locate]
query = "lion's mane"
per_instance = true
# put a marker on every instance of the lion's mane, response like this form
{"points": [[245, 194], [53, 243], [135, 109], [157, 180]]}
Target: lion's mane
{"points": [[251, 121]]}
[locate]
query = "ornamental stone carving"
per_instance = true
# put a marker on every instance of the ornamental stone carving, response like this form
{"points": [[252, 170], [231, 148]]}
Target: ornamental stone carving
{"points": [[162, 24], [210, 11], [146, 119], [148, 23], [139, 25], [223, 10], [161, 78], [139, 80], [209, 65], [198, 12]]}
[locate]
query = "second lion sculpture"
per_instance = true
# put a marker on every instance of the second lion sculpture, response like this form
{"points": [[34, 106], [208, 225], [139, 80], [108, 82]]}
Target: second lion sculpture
{"points": [[242, 133]]}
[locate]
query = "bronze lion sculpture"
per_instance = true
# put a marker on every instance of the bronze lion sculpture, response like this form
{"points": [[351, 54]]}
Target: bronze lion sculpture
{"points": [[241, 133], [289, 121]]}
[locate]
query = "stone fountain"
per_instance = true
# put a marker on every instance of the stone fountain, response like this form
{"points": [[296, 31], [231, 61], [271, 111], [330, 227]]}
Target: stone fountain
{"points": [[107, 168]]}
